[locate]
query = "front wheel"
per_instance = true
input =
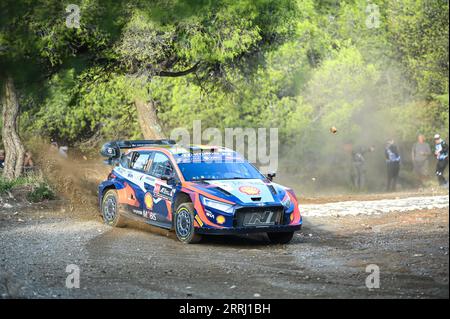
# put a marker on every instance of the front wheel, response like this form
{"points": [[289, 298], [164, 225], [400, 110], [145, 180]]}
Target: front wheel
{"points": [[280, 238], [111, 209], [184, 224]]}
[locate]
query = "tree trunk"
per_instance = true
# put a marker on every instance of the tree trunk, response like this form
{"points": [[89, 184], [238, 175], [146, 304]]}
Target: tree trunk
{"points": [[148, 120], [14, 148]]}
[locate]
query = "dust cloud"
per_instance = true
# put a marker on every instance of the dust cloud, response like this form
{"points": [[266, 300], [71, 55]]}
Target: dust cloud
{"points": [[75, 178]]}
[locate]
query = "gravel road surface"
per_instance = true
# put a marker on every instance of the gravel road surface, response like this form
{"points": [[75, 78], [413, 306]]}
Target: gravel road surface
{"points": [[407, 239]]}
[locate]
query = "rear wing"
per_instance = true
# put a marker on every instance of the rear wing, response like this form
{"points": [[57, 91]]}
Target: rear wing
{"points": [[111, 150]]}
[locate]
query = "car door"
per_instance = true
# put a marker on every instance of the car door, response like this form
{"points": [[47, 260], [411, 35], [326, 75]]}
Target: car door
{"points": [[140, 181], [128, 176], [162, 192]]}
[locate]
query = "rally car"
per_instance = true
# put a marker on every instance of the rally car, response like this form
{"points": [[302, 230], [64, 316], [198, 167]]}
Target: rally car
{"points": [[194, 190]]}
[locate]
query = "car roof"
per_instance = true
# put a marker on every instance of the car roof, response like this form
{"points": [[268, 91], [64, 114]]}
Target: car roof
{"points": [[178, 150]]}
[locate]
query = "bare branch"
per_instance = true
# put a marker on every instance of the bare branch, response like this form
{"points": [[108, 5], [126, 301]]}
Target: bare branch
{"points": [[179, 73]]}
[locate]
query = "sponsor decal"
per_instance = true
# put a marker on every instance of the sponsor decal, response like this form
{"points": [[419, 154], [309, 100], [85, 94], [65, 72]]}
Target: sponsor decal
{"points": [[149, 179], [250, 190], [199, 221], [220, 157], [209, 214], [226, 186], [164, 192], [150, 215], [138, 212], [145, 213], [148, 200], [220, 219]]}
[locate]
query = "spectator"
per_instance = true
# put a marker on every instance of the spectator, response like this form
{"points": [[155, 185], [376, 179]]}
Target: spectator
{"points": [[420, 153], [54, 146], [441, 152], [63, 151], [358, 167], [28, 164], [393, 164], [2, 159]]}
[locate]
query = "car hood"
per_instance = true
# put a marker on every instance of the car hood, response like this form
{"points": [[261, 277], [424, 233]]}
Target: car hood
{"points": [[243, 191]]}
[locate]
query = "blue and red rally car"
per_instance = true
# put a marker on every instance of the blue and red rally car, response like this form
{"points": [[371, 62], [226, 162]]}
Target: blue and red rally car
{"points": [[194, 190]]}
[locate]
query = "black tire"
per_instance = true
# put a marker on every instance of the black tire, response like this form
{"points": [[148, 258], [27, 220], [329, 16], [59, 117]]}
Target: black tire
{"points": [[184, 224], [280, 238], [111, 211]]}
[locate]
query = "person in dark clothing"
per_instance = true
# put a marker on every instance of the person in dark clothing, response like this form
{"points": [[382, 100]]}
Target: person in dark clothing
{"points": [[441, 152], [358, 173], [2, 159], [393, 165]]}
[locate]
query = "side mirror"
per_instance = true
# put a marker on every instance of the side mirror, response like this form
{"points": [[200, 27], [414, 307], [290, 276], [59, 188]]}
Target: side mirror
{"points": [[169, 179], [271, 175]]}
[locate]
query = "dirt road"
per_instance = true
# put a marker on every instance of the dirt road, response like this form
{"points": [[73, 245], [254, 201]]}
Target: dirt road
{"points": [[328, 258]]}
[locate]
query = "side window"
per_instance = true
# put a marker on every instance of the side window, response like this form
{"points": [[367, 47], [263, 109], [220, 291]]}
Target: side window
{"points": [[161, 166], [140, 160], [125, 161]]}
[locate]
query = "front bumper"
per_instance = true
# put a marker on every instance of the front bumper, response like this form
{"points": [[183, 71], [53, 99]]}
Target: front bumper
{"points": [[248, 230]]}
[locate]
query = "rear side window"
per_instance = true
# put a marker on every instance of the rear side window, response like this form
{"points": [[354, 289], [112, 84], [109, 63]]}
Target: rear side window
{"points": [[125, 160]]}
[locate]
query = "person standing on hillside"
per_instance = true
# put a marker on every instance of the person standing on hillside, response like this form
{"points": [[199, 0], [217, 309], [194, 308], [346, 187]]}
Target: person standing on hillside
{"points": [[420, 154], [2, 159], [393, 164], [358, 173], [28, 164], [441, 152]]}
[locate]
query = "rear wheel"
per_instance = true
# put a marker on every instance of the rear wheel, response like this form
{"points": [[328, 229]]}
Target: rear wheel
{"points": [[111, 209], [281, 237], [184, 224]]}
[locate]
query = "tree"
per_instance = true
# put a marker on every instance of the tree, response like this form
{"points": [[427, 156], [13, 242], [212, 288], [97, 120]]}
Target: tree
{"points": [[420, 31], [13, 145], [163, 39], [19, 63]]}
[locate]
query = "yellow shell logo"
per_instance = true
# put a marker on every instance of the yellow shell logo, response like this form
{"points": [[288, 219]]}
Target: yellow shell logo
{"points": [[148, 200], [249, 190], [220, 219]]}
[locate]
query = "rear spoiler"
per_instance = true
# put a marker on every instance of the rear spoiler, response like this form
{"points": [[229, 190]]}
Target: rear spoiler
{"points": [[111, 150]]}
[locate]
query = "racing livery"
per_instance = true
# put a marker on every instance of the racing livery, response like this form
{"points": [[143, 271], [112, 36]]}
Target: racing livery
{"points": [[194, 190]]}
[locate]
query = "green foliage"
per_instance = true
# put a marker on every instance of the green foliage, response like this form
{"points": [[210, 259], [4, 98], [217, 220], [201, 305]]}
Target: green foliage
{"points": [[41, 192], [74, 110], [420, 30], [299, 65], [6, 185], [341, 87]]}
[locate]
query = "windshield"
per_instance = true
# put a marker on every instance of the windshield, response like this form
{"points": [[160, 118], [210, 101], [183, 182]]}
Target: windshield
{"points": [[216, 171]]}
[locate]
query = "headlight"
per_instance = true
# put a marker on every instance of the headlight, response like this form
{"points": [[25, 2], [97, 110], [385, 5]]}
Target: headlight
{"points": [[224, 207], [286, 201]]}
